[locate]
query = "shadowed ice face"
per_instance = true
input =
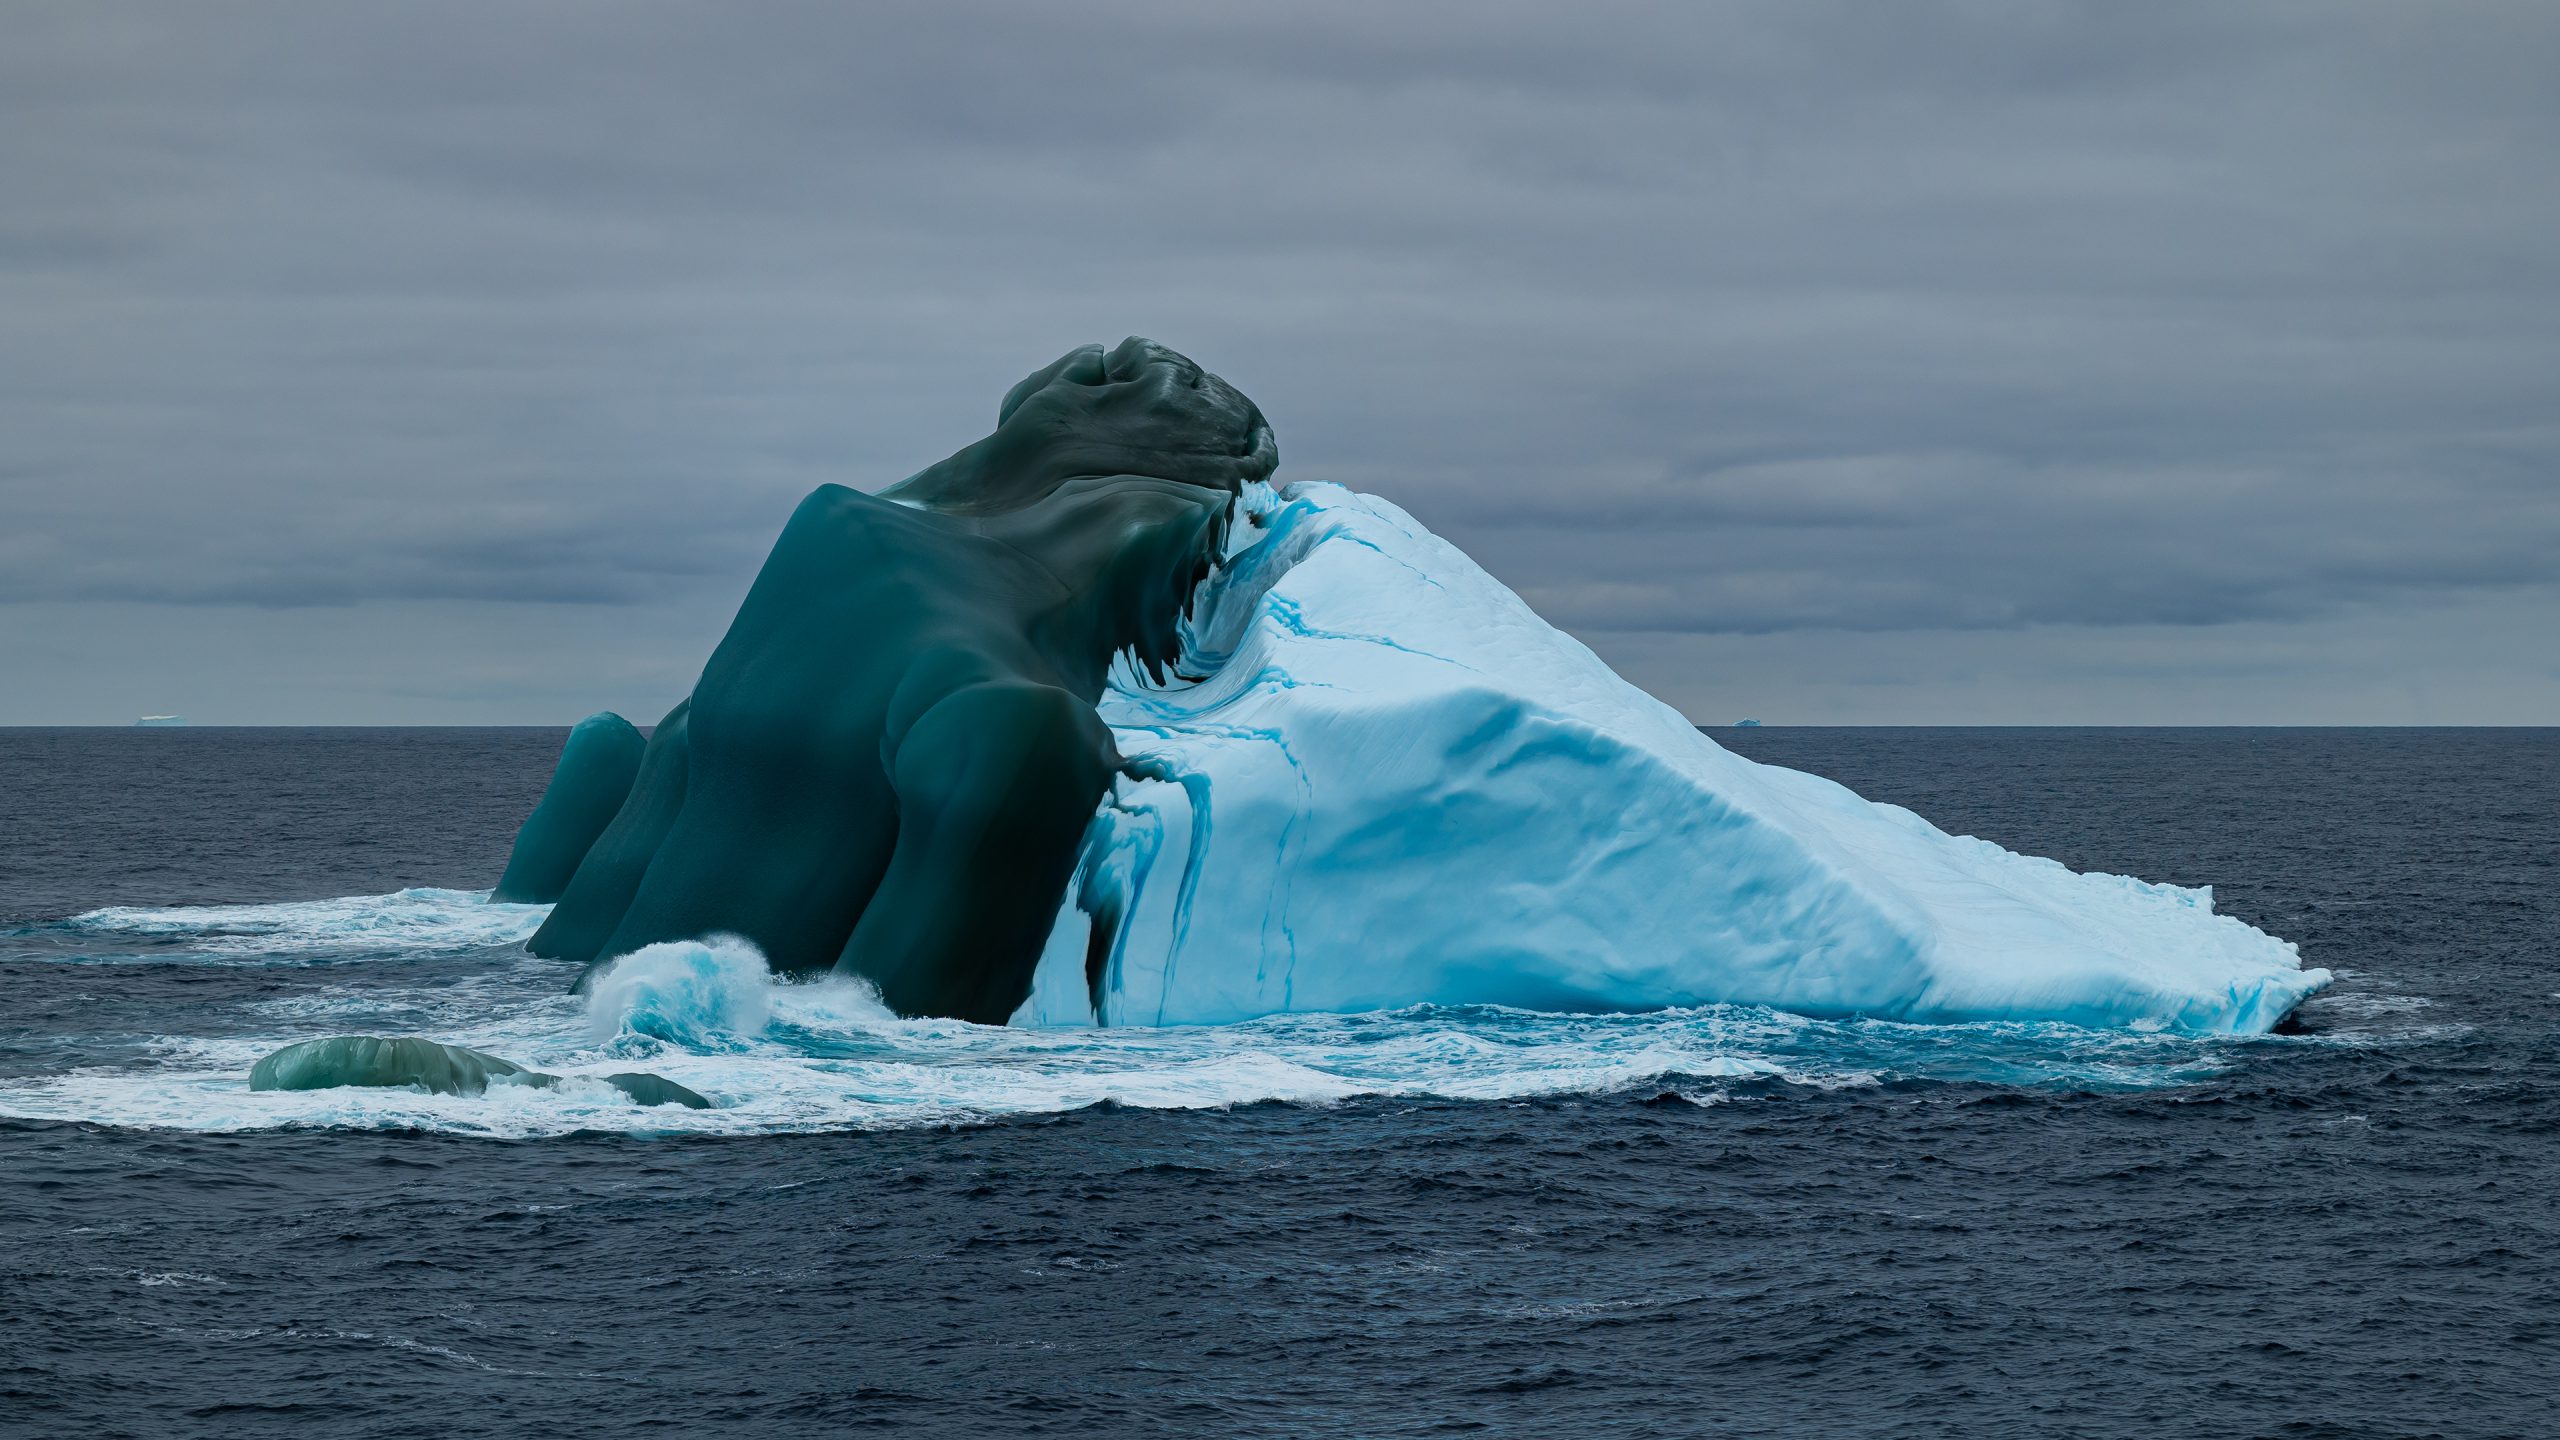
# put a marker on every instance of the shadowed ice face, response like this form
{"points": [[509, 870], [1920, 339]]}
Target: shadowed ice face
{"points": [[1139, 409]]}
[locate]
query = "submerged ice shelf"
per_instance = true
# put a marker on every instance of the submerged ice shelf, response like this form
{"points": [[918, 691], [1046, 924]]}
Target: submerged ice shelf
{"points": [[1396, 785]]}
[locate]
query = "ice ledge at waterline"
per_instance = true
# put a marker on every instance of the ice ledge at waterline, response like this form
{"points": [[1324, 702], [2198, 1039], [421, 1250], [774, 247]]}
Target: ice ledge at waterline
{"points": [[1397, 785]]}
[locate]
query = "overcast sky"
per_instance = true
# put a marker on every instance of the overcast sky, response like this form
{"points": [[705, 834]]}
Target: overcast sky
{"points": [[1874, 363]]}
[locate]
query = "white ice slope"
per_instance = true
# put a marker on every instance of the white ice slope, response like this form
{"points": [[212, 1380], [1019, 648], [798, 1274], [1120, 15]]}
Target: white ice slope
{"points": [[1399, 786]]}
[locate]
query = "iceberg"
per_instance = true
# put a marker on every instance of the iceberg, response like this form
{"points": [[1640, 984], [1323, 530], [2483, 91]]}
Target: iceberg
{"points": [[1393, 784], [1091, 723]]}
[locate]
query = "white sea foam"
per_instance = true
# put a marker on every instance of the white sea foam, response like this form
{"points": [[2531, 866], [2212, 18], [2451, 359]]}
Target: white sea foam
{"points": [[788, 1057], [404, 923]]}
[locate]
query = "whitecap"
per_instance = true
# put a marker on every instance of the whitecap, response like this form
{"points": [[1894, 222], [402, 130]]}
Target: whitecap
{"points": [[402, 924]]}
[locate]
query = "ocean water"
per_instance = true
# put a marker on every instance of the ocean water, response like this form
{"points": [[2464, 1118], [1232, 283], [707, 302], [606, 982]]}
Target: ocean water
{"points": [[1715, 1222]]}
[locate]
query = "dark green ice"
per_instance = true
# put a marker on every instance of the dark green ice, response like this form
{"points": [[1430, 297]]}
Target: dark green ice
{"points": [[888, 764]]}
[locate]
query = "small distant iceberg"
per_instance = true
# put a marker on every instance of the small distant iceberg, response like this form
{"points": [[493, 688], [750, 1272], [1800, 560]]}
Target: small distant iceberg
{"points": [[159, 720], [1746, 724]]}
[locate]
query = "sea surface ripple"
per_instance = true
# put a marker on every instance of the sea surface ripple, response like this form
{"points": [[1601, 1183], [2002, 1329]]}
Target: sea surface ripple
{"points": [[1715, 1221]]}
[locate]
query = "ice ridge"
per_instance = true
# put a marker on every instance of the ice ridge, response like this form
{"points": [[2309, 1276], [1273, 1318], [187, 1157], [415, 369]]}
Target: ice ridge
{"points": [[1391, 784]]}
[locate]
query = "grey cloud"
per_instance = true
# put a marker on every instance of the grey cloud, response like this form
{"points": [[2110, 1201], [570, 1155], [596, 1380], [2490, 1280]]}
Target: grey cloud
{"points": [[1975, 541], [1811, 320]]}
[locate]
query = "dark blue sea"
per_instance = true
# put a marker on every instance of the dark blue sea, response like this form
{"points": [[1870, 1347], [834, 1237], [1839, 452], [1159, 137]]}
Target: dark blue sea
{"points": [[1435, 1222]]}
